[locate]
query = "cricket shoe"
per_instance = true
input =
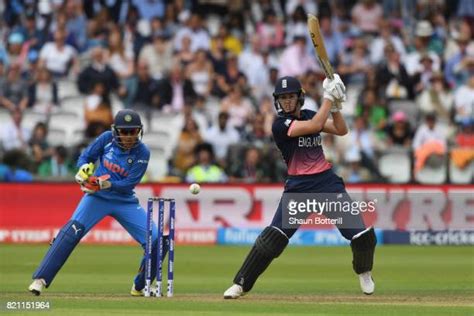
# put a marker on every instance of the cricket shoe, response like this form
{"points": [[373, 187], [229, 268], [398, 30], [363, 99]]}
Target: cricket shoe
{"points": [[37, 286], [367, 283], [135, 292], [234, 292]]}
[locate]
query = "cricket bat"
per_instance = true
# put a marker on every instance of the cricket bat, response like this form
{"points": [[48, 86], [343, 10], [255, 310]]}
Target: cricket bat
{"points": [[318, 43]]}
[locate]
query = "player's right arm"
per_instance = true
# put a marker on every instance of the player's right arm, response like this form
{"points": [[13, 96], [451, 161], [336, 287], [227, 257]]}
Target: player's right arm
{"points": [[334, 93]]}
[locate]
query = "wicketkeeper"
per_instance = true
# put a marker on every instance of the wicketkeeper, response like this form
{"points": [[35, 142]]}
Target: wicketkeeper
{"points": [[122, 159]]}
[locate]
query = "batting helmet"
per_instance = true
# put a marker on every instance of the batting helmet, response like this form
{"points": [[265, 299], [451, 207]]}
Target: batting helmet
{"points": [[287, 85], [127, 120]]}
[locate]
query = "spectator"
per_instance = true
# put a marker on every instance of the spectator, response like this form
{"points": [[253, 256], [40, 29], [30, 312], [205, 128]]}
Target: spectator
{"points": [[429, 144], [295, 60], [231, 42], [251, 169], [187, 142], [97, 107], [43, 92], [422, 78], [33, 36], [399, 131], [355, 172], [150, 8], [256, 135], [436, 99], [76, 23], [18, 165], [362, 141], [374, 111], [13, 90], [238, 107], [205, 169], [267, 109], [296, 24], [58, 57], [176, 90], [14, 134], [221, 136], [16, 49], [423, 45], [252, 64], [99, 71], [185, 55], [231, 77], [121, 61], [271, 31], [459, 66], [201, 73], [158, 54], [355, 65], [366, 15], [38, 143], [147, 93], [464, 102], [196, 32], [393, 76], [58, 166], [386, 37], [218, 55]]}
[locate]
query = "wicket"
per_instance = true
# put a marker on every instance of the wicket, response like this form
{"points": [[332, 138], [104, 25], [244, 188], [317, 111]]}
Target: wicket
{"points": [[160, 251]]}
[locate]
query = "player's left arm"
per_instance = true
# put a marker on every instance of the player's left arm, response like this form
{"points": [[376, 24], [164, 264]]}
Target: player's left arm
{"points": [[337, 125]]}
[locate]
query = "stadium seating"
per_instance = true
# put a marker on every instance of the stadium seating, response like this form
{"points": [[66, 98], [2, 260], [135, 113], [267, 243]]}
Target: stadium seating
{"points": [[67, 89], [433, 175], [461, 176], [396, 165]]}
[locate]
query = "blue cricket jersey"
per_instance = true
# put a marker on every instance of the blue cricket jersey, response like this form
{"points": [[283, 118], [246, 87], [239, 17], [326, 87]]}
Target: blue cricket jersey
{"points": [[303, 155], [125, 167]]}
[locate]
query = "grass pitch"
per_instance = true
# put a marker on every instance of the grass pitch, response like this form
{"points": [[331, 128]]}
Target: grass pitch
{"points": [[305, 280]]}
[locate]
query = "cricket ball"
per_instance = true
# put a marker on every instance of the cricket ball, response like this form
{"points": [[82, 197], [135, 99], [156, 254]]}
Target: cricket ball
{"points": [[194, 188]]}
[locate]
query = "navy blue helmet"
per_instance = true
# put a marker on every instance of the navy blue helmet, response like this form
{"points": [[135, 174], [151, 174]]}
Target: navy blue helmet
{"points": [[128, 122], [287, 85]]}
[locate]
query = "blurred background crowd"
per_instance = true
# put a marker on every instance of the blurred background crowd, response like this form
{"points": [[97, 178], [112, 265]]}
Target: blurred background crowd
{"points": [[201, 73]]}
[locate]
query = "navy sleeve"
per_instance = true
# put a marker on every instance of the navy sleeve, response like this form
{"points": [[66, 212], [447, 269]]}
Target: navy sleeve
{"points": [[135, 174], [280, 128], [95, 149]]}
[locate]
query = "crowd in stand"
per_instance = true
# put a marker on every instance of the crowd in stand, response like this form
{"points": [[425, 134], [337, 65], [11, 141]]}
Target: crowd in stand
{"points": [[408, 67]]}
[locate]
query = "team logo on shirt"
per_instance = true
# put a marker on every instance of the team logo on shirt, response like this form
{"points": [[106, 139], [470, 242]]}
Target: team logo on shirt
{"points": [[309, 141], [130, 160], [288, 122], [115, 168]]}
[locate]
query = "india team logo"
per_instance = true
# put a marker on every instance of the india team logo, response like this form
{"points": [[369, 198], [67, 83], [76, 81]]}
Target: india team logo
{"points": [[128, 118]]}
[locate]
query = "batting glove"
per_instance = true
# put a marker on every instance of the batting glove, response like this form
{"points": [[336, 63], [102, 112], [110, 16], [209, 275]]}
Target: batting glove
{"points": [[85, 171], [94, 184], [334, 89]]}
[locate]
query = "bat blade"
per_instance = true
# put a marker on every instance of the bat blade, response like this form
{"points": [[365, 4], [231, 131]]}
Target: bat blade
{"points": [[318, 43]]}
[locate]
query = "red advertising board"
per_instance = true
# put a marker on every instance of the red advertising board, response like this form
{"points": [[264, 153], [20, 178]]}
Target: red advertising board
{"points": [[35, 212]]}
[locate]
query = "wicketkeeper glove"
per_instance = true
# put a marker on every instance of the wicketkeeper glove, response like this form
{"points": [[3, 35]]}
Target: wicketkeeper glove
{"points": [[334, 89], [94, 184], [85, 171]]}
